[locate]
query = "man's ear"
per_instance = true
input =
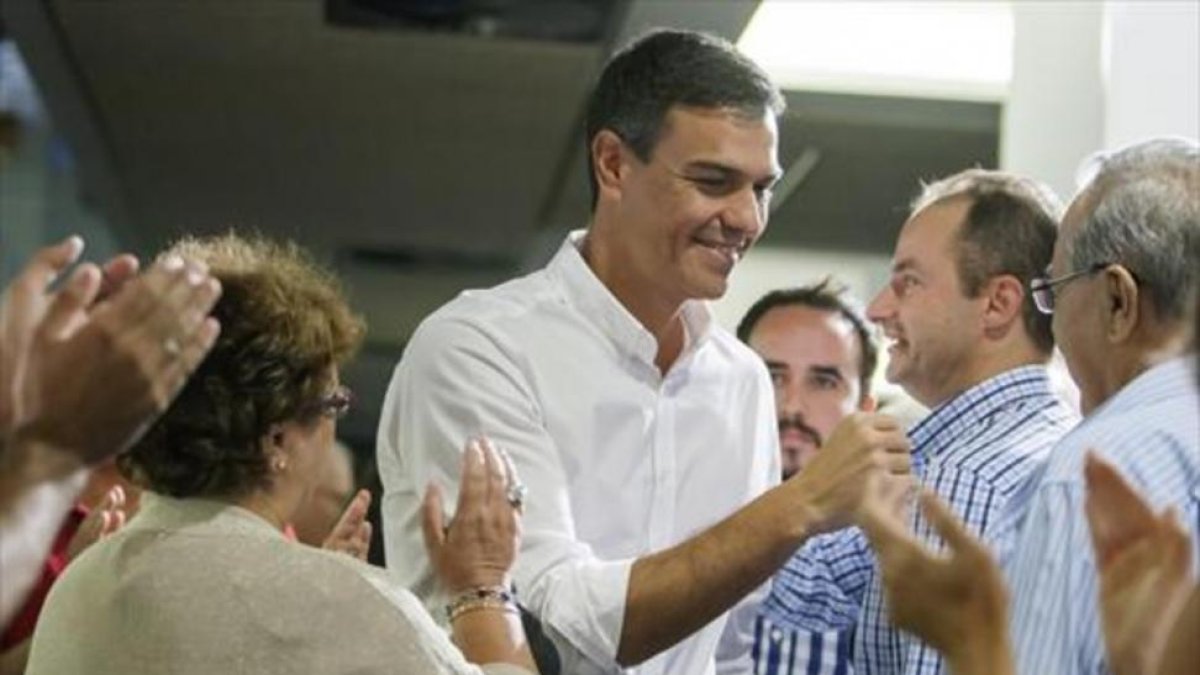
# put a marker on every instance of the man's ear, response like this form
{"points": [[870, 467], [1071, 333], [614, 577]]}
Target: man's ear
{"points": [[608, 162], [1122, 310], [1006, 298]]}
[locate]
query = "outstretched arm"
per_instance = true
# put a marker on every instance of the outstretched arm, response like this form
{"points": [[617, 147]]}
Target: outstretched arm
{"points": [[674, 593]]}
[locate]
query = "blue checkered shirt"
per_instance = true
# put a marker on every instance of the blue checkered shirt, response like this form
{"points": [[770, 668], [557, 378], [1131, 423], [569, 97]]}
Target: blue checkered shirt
{"points": [[805, 625], [1151, 431], [976, 451]]}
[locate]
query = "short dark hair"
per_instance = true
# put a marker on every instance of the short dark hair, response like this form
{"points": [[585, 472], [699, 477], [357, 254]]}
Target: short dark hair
{"points": [[284, 326], [1009, 228], [666, 68], [824, 295]]}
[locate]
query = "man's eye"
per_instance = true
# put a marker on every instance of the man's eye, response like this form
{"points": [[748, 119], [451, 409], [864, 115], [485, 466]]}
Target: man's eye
{"points": [[903, 284], [826, 382], [711, 184]]}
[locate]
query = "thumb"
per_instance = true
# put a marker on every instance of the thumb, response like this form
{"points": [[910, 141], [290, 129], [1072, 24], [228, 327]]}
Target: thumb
{"points": [[945, 522], [75, 297], [356, 512], [432, 522]]}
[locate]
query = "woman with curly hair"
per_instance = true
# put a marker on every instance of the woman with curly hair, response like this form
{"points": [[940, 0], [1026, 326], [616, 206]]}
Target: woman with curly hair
{"points": [[204, 581]]}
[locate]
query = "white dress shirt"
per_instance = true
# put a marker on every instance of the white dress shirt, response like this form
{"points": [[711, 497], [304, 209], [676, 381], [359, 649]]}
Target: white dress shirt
{"points": [[620, 460]]}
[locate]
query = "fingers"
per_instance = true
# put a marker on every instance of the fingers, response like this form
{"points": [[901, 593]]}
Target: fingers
{"points": [[364, 541], [116, 272], [1116, 514], [112, 507], [897, 460], [1177, 543], [48, 263], [497, 472], [473, 483], [946, 523], [162, 318], [66, 309], [885, 423], [354, 516], [432, 521], [884, 524]]}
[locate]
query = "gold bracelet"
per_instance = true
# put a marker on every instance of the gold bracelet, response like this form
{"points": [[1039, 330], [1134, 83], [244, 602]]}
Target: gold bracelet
{"points": [[478, 605], [483, 597]]}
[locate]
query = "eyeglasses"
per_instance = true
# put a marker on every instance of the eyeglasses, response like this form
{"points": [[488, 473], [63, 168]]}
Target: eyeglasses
{"points": [[335, 404], [1042, 288]]}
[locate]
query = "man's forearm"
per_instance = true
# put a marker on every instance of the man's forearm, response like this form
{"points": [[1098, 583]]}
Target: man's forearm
{"points": [[985, 652], [26, 463], [27, 529], [676, 592]]}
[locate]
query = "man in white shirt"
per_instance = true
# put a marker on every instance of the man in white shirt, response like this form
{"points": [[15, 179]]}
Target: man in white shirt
{"points": [[644, 432]]}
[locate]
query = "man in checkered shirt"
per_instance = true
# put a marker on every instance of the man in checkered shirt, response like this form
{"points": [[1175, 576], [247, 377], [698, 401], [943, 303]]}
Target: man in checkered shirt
{"points": [[967, 342]]}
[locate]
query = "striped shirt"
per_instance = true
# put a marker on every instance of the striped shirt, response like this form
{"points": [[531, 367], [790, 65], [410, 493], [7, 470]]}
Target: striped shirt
{"points": [[806, 623], [976, 451], [779, 650], [1151, 431]]}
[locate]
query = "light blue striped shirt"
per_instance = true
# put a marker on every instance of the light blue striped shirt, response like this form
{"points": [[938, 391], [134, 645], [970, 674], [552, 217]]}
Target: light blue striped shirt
{"points": [[806, 623], [1151, 431], [976, 451]]}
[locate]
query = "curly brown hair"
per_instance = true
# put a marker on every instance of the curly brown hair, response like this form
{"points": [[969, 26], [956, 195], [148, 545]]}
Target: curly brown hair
{"points": [[285, 329]]}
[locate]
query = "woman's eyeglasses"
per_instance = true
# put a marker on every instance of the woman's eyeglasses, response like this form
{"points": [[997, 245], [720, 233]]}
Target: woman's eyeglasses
{"points": [[336, 403]]}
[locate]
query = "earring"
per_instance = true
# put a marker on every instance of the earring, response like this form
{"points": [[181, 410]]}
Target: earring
{"points": [[279, 464]]}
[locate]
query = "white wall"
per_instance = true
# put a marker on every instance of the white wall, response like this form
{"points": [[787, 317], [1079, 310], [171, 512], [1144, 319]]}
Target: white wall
{"points": [[1054, 113], [1153, 71]]}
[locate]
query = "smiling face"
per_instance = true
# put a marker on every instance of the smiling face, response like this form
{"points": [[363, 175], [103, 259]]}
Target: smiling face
{"points": [[932, 326], [687, 215], [813, 357]]}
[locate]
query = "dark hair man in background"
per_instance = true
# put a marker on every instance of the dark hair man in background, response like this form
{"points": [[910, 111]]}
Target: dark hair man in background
{"points": [[820, 354]]}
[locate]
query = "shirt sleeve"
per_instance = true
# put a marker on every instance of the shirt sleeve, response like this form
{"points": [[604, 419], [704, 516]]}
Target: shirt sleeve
{"points": [[27, 532], [456, 382], [821, 588], [737, 640]]}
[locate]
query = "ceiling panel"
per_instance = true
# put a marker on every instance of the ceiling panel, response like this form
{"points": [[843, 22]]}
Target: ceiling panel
{"points": [[258, 113]]}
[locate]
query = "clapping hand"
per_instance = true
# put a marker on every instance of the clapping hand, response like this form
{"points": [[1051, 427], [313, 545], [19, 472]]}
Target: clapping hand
{"points": [[1144, 562], [478, 547], [352, 532]]}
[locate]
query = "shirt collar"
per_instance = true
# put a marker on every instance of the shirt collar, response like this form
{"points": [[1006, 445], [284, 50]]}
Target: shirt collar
{"points": [[165, 512], [942, 430], [1166, 380], [584, 290]]}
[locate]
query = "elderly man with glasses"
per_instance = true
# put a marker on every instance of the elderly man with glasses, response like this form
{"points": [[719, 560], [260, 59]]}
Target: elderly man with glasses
{"points": [[1127, 255]]}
